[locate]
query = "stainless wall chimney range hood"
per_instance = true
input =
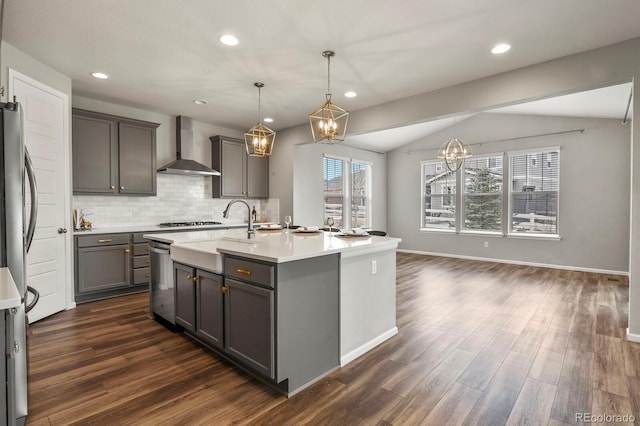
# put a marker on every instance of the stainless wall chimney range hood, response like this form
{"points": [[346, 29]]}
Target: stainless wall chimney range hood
{"points": [[184, 163]]}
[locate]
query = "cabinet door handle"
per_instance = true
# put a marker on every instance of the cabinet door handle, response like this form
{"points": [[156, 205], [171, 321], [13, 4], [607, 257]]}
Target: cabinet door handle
{"points": [[106, 240], [224, 289], [112, 187], [243, 271], [195, 279], [121, 187], [127, 250], [147, 261], [189, 277]]}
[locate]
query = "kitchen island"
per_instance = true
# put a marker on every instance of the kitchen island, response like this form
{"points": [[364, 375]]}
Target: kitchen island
{"points": [[288, 306]]}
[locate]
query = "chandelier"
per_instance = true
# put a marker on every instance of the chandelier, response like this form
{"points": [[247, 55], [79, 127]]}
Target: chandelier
{"points": [[259, 139], [454, 153], [329, 122]]}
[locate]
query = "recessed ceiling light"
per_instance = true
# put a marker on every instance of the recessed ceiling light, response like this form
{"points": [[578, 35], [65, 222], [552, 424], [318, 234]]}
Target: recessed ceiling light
{"points": [[350, 94], [228, 39], [268, 120], [200, 102], [100, 75], [500, 48]]}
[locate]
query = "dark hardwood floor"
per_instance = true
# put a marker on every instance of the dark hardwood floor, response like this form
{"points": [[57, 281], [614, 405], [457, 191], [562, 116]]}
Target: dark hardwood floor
{"points": [[479, 343]]}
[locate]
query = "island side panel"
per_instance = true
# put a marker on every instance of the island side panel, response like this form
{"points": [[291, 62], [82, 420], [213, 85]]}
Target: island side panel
{"points": [[367, 302], [308, 320]]}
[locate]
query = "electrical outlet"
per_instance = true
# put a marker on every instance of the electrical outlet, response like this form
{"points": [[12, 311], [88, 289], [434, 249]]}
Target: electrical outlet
{"points": [[486, 244], [374, 267]]}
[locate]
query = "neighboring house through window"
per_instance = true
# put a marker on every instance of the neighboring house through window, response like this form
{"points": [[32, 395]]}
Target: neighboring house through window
{"points": [[534, 191], [478, 190]]}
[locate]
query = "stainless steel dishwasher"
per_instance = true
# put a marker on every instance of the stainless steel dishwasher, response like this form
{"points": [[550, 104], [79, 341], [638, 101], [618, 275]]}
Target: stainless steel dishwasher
{"points": [[161, 285]]}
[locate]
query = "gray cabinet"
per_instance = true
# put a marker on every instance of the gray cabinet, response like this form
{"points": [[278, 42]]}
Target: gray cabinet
{"points": [[103, 262], [242, 176], [113, 155], [110, 265], [185, 296], [209, 308], [249, 325], [199, 303], [279, 321], [140, 260]]}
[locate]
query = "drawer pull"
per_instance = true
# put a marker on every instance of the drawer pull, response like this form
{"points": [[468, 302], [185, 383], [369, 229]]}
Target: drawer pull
{"points": [[224, 289], [107, 240], [148, 276], [127, 251], [243, 271], [147, 261]]}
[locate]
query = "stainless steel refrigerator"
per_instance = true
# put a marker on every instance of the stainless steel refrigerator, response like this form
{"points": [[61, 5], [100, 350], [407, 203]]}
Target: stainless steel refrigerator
{"points": [[16, 179]]}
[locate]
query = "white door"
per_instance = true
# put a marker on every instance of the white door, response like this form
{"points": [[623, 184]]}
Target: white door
{"points": [[45, 135]]}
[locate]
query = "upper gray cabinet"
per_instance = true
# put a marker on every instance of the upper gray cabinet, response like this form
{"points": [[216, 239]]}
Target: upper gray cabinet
{"points": [[113, 155], [241, 176]]}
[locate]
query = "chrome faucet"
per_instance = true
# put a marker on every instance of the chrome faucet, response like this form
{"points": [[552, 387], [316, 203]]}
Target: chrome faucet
{"points": [[250, 231]]}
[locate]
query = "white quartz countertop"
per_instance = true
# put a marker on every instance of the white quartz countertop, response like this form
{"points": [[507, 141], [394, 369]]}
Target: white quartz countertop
{"points": [[275, 246], [9, 296]]}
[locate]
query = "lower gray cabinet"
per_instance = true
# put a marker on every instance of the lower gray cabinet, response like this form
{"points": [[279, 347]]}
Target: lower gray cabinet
{"points": [[249, 325], [199, 303], [109, 265], [103, 266], [209, 314], [185, 296]]}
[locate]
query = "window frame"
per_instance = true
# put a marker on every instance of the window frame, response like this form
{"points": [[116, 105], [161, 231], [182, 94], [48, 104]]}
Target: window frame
{"points": [[347, 196], [454, 195], [506, 216], [509, 154], [463, 196]]}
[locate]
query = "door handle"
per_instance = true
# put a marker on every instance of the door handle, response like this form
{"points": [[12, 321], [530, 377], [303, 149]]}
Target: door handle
{"points": [[224, 289], [62, 230]]}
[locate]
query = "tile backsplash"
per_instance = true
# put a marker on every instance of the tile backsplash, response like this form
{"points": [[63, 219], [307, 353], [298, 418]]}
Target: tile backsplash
{"points": [[179, 198]]}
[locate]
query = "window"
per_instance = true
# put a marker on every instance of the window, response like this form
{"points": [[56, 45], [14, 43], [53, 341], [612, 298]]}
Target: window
{"points": [[360, 197], [333, 190], [438, 196], [483, 193], [485, 186], [349, 193], [534, 192]]}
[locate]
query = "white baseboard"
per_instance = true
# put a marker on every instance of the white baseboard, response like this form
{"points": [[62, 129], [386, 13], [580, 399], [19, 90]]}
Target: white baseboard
{"points": [[632, 337], [519, 262], [362, 349]]}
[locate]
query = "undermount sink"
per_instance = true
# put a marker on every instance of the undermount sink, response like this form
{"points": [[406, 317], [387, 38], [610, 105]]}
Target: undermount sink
{"points": [[201, 254]]}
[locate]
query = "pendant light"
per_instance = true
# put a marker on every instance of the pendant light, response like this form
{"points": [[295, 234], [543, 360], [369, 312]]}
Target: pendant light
{"points": [[454, 152], [259, 139], [329, 122]]}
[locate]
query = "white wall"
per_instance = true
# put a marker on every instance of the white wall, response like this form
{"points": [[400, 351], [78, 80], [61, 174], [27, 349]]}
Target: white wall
{"points": [[594, 192], [308, 183], [25, 64]]}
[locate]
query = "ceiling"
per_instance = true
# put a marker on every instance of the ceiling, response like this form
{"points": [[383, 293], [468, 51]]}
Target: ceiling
{"points": [[605, 102], [161, 55]]}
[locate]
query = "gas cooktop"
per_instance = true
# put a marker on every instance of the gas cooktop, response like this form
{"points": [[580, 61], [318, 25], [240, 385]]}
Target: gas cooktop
{"points": [[192, 223]]}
